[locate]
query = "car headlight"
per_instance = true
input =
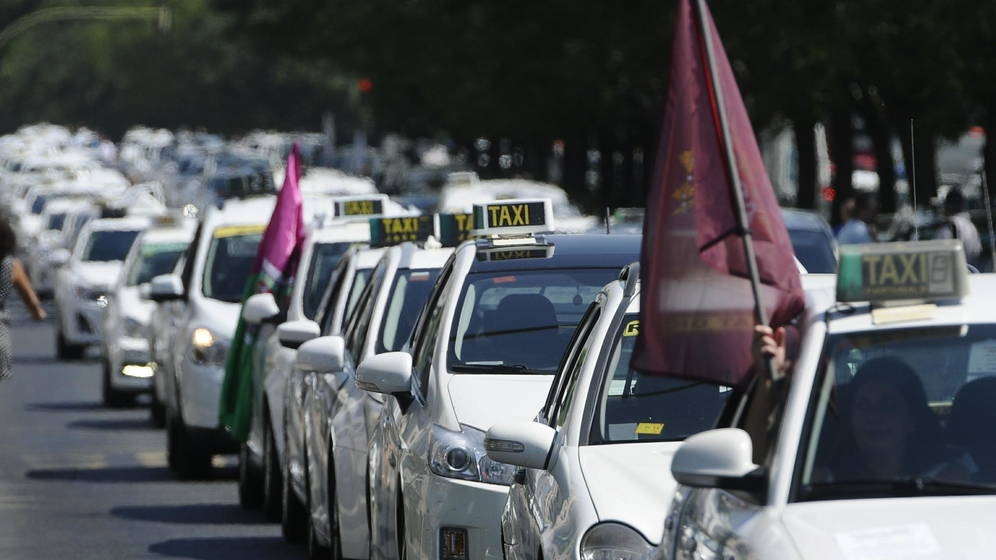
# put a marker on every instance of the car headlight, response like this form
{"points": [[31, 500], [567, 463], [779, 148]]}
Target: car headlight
{"points": [[615, 541], [207, 348], [461, 455]]}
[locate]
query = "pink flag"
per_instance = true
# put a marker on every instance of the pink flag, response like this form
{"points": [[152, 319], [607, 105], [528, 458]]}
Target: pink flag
{"points": [[285, 233], [697, 303]]}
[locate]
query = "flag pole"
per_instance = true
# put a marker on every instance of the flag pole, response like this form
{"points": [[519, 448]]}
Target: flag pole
{"points": [[737, 194]]}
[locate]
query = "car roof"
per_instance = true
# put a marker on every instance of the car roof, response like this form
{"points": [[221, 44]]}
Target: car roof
{"points": [[414, 257], [167, 235], [123, 224], [340, 231], [569, 251], [803, 220], [254, 210]]}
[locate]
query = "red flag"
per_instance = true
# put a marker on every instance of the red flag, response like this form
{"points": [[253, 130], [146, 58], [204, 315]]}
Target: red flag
{"points": [[696, 299]]}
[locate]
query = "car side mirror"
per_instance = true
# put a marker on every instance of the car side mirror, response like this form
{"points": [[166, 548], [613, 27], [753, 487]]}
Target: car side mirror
{"points": [[324, 354], [167, 287], [143, 291], [721, 458], [293, 334], [389, 373], [523, 444], [260, 308]]}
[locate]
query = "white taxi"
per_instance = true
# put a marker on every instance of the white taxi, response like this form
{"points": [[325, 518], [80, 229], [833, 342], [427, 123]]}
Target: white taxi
{"points": [[206, 298], [291, 315], [338, 414], [127, 362], [484, 350], [83, 284], [593, 482], [878, 444], [337, 305]]}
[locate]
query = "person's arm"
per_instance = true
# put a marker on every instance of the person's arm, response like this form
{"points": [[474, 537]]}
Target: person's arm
{"points": [[27, 293]]}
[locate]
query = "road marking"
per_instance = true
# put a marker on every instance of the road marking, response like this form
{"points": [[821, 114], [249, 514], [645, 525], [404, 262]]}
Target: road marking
{"points": [[151, 459]]}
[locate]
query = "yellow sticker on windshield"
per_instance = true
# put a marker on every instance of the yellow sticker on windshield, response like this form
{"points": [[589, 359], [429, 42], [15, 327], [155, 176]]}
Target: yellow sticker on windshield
{"points": [[234, 231], [649, 428], [632, 328]]}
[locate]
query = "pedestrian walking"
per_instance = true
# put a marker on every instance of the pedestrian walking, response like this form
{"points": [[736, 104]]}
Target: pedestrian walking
{"points": [[858, 228], [958, 225], [12, 274]]}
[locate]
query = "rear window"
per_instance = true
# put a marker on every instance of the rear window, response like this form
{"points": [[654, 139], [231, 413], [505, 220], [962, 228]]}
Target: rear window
{"points": [[814, 250], [108, 245], [229, 262]]}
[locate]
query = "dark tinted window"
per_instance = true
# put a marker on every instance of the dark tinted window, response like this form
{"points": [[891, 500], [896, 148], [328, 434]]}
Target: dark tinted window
{"points": [[154, 260], [520, 319], [55, 221], [814, 250], [408, 294], [636, 407], [39, 204], [108, 245], [228, 264]]}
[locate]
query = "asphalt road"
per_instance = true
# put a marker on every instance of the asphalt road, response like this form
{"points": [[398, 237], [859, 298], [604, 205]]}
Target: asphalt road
{"points": [[80, 481]]}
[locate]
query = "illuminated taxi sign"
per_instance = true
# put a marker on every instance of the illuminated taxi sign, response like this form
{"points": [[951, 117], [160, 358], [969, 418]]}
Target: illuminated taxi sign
{"points": [[452, 229], [391, 231], [513, 217], [919, 270], [358, 206]]}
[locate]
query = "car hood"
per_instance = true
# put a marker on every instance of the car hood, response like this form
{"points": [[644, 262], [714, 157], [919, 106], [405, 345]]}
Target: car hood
{"points": [[96, 274], [631, 483], [481, 400], [949, 528]]}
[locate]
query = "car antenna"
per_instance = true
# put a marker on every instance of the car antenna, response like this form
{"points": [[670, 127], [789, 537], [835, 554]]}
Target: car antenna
{"points": [[916, 229], [989, 216], [608, 229]]}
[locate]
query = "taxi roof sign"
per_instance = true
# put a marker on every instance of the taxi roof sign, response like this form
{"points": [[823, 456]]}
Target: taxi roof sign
{"points": [[452, 229], [391, 231], [513, 217], [364, 206], [907, 271]]}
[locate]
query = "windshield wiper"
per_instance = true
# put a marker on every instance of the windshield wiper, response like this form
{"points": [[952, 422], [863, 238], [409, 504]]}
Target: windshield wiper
{"points": [[495, 368], [899, 487]]}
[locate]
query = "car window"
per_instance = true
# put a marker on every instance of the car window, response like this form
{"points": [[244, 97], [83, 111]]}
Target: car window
{"points": [[424, 343], [326, 310], [408, 294], [324, 259], [360, 279], [154, 259], [108, 245], [814, 250], [632, 406], [567, 381], [358, 327], [521, 319], [55, 221], [228, 265], [901, 405]]}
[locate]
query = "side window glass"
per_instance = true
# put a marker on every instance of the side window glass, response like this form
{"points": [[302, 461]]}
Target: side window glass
{"points": [[571, 368], [359, 323], [329, 300], [422, 350]]}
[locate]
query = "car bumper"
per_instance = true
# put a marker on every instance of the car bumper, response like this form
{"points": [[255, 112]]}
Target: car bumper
{"points": [[200, 391], [460, 504]]}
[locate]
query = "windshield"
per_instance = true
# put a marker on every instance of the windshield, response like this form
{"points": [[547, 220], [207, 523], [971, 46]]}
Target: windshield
{"points": [[108, 245], [901, 411], [520, 319], [324, 259], [408, 294], [636, 407], [155, 259], [814, 250], [229, 262], [55, 221]]}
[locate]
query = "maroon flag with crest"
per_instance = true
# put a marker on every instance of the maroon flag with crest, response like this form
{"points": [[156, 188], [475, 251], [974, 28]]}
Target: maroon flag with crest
{"points": [[697, 304]]}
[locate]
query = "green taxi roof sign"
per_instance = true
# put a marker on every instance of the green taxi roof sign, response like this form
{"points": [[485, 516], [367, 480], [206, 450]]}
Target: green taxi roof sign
{"points": [[452, 229], [359, 206], [391, 231], [906, 271], [513, 217]]}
